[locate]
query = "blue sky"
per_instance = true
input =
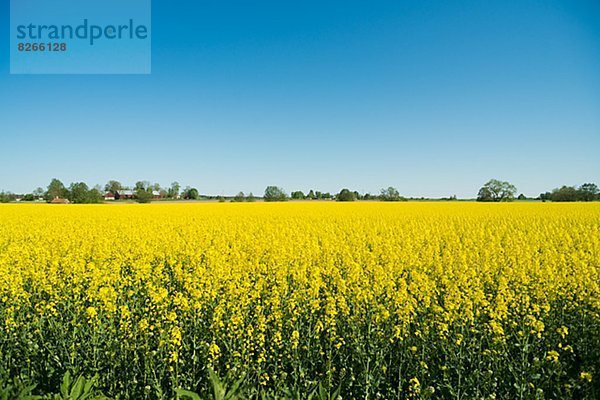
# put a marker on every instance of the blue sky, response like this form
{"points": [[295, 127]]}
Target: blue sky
{"points": [[432, 97]]}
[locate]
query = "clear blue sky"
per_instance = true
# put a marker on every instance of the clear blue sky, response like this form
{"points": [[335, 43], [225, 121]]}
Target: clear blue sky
{"points": [[432, 97]]}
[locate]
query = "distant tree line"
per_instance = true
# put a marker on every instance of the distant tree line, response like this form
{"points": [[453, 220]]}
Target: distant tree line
{"points": [[312, 195], [81, 193], [585, 192], [77, 192], [275, 193], [241, 197], [496, 191], [143, 192], [7, 197]]}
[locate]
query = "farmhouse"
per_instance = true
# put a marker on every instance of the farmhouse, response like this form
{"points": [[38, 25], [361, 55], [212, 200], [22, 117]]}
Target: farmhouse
{"points": [[126, 194]]}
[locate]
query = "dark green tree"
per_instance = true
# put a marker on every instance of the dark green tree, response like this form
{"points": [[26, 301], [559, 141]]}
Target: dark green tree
{"points": [[113, 187], [143, 195], [274, 193], [38, 193], [565, 193], [495, 190], [78, 193], [7, 197], [588, 192], [345, 195], [173, 191], [545, 196], [298, 195], [143, 185], [56, 189], [94, 195], [390, 194], [191, 193], [238, 198]]}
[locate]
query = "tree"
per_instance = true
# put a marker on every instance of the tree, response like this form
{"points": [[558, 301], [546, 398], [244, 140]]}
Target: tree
{"points": [[143, 191], [521, 197], [299, 195], [495, 190], [311, 195], [588, 192], [145, 185], [113, 187], [173, 191], [56, 189], [565, 193], [274, 193], [390, 194], [95, 196], [38, 193], [545, 196], [585, 192], [345, 195], [143, 195], [250, 197], [238, 198], [78, 193], [190, 193], [7, 197]]}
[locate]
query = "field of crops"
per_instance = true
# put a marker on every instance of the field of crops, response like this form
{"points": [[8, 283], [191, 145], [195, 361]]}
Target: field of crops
{"points": [[361, 300]]}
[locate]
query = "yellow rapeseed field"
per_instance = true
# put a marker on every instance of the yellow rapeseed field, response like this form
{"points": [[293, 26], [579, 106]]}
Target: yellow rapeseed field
{"points": [[361, 300]]}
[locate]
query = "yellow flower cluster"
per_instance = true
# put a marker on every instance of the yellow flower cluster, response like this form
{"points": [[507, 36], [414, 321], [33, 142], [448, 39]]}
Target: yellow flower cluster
{"points": [[299, 292]]}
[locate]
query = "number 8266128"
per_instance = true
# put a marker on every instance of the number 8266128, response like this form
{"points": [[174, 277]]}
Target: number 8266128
{"points": [[39, 47]]}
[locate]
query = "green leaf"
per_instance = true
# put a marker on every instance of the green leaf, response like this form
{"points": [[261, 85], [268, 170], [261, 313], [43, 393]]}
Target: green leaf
{"points": [[232, 393], [89, 385], [218, 388], [77, 388], [65, 385], [186, 394]]}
